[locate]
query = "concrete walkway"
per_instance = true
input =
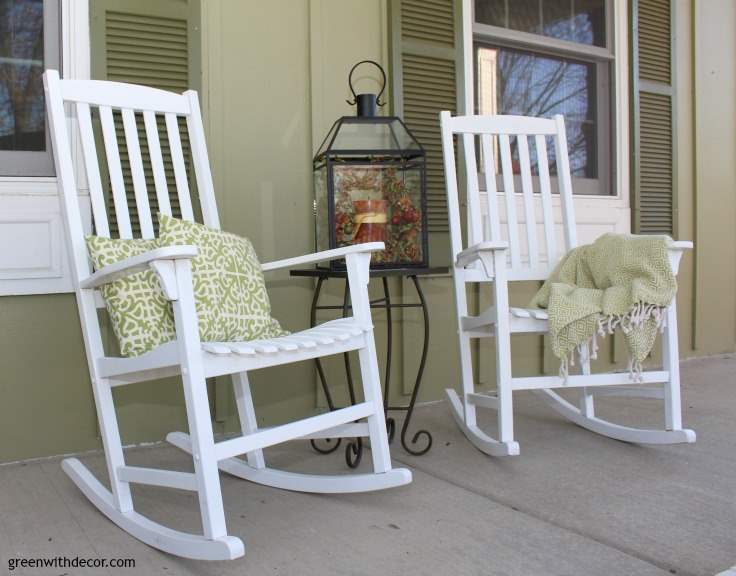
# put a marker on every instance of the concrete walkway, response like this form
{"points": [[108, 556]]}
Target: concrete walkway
{"points": [[573, 503]]}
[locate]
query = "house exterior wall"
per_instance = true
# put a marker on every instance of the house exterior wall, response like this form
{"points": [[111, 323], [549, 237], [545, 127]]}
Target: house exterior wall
{"points": [[274, 81]]}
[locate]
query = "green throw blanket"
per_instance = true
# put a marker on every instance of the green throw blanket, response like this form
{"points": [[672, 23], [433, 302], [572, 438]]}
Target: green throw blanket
{"points": [[619, 281]]}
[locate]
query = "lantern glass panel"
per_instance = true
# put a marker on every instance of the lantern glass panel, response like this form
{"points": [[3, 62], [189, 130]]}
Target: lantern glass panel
{"points": [[380, 203], [359, 135], [321, 207]]}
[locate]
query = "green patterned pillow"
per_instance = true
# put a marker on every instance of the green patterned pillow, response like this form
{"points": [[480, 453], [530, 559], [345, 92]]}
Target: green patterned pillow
{"points": [[229, 289], [141, 316]]}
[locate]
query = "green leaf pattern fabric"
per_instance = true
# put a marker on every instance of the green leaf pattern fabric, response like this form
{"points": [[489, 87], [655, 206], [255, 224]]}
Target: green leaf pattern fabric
{"points": [[620, 282], [229, 289], [140, 314]]}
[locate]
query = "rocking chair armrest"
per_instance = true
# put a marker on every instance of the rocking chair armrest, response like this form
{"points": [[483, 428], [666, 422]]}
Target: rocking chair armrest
{"points": [[478, 251], [676, 250], [138, 263], [323, 256]]}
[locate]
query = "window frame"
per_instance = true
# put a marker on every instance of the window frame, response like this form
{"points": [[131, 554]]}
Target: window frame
{"points": [[29, 163], [605, 60]]}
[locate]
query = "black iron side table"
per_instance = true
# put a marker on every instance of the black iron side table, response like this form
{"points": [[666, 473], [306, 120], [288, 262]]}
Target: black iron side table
{"points": [[354, 449]]}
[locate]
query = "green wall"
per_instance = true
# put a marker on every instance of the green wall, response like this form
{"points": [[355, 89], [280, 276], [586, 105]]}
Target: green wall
{"points": [[274, 81]]}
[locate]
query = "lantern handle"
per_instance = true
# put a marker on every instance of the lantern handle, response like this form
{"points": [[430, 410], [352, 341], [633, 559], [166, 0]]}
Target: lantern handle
{"points": [[350, 82]]}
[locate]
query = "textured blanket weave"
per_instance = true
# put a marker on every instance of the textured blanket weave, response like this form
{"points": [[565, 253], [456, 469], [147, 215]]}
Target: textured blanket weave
{"points": [[618, 282]]}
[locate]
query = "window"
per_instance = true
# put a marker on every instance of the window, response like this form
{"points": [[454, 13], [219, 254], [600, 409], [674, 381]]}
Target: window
{"points": [[29, 43], [547, 57]]}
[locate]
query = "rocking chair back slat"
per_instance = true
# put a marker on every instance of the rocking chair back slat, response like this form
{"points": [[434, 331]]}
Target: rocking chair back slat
{"points": [[475, 222], [546, 194], [136, 168], [493, 221], [565, 183], [507, 161], [510, 197], [201, 163], [120, 200], [180, 171], [92, 169], [530, 219], [157, 162]]}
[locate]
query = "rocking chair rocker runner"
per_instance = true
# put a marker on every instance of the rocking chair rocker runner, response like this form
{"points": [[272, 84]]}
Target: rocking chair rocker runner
{"points": [[195, 360], [497, 256]]}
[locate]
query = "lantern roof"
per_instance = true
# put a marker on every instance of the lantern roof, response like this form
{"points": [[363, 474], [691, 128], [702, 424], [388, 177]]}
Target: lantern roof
{"points": [[369, 136]]}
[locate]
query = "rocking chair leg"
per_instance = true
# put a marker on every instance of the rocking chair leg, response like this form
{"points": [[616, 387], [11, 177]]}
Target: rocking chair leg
{"points": [[503, 353], [670, 356], [587, 403], [466, 373], [466, 361], [247, 415], [198, 407], [112, 445], [358, 266]]}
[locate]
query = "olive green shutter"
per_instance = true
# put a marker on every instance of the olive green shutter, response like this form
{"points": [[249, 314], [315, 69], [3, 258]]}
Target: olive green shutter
{"points": [[653, 100], [154, 43], [425, 74]]}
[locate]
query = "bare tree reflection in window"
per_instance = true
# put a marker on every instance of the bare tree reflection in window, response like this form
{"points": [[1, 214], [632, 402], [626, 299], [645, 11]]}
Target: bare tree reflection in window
{"points": [[21, 66]]}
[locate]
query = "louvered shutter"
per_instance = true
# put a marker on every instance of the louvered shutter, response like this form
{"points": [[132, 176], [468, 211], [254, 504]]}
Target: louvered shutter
{"points": [[425, 74], [155, 44], [653, 117]]}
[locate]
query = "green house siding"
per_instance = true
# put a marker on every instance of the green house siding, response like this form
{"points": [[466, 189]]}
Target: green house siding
{"points": [[273, 79]]}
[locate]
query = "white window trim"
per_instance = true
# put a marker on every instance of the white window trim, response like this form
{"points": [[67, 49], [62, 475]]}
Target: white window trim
{"points": [[594, 214], [30, 211]]}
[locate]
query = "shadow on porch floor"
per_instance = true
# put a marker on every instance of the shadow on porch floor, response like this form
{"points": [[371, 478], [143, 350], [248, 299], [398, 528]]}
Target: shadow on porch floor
{"points": [[572, 503]]}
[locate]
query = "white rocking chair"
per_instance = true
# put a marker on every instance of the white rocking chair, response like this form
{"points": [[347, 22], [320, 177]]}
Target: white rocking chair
{"points": [[187, 356], [495, 254]]}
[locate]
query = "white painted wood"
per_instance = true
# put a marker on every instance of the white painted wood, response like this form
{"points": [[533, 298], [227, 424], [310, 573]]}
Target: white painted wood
{"points": [[187, 356], [530, 220], [545, 192], [180, 170], [205, 187], [247, 416], [119, 95], [271, 436], [565, 183], [134, 264], [512, 222], [319, 484], [325, 255], [474, 218], [157, 162], [500, 321], [145, 530], [115, 170], [489, 169], [97, 198], [615, 431], [158, 477], [133, 146], [197, 404]]}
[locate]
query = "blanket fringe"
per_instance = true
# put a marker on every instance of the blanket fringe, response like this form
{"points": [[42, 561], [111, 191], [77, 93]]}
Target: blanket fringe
{"points": [[608, 324]]}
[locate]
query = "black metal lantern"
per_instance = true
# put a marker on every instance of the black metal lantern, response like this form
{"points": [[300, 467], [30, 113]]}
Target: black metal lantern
{"points": [[370, 185]]}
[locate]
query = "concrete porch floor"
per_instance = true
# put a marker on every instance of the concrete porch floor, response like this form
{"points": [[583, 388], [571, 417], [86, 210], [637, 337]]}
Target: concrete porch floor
{"points": [[572, 503]]}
